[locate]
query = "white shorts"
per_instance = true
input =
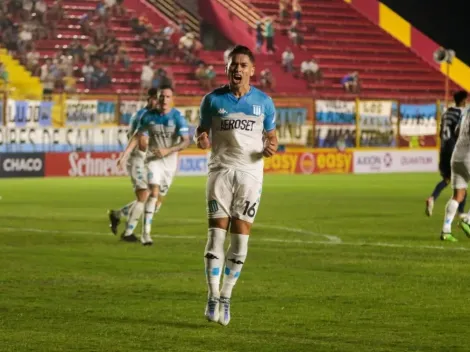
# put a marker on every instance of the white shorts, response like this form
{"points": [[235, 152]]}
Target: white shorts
{"points": [[460, 174], [138, 173], [233, 193], [158, 174]]}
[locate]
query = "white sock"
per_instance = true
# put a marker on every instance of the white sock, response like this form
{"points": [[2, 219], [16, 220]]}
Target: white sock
{"points": [[124, 211], [158, 206], [148, 215], [134, 216], [214, 259], [451, 209], [236, 255]]}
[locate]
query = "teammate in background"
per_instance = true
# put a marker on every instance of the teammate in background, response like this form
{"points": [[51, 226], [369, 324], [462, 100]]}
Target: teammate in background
{"points": [[450, 121], [460, 176], [136, 148], [167, 133], [140, 172], [237, 115]]}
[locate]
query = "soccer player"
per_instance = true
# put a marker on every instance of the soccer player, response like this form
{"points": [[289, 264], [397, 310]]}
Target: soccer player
{"points": [[450, 121], [241, 120], [136, 147], [460, 176], [167, 133]]}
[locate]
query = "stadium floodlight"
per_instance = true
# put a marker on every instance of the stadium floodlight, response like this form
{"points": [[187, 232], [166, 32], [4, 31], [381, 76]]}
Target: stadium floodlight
{"points": [[442, 55]]}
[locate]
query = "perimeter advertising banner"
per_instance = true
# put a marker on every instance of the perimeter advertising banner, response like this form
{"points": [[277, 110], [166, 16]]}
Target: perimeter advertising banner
{"points": [[309, 162], [335, 124], [376, 125], [418, 125]]}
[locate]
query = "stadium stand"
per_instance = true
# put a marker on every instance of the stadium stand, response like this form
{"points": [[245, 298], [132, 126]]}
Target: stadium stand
{"points": [[341, 40], [338, 38]]}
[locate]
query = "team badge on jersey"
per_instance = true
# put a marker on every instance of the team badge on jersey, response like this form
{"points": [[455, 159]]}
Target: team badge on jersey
{"points": [[222, 111], [256, 110], [171, 123]]}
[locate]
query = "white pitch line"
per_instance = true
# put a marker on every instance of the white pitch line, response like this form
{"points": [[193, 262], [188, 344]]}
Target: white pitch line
{"points": [[330, 238], [256, 239]]}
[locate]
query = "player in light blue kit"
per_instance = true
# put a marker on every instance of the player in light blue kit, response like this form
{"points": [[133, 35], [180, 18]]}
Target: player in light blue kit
{"points": [[136, 169], [241, 121], [167, 134]]}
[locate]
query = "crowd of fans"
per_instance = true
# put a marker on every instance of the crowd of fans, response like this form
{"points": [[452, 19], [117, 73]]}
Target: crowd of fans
{"points": [[309, 70], [95, 54]]}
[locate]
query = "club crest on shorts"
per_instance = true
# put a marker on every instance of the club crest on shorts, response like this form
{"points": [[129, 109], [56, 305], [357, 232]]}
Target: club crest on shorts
{"points": [[256, 110]]}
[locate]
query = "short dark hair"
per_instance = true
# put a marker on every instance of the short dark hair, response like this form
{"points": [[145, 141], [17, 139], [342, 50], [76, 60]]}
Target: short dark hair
{"points": [[241, 50], [152, 92], [165, 86], [460, 96]]}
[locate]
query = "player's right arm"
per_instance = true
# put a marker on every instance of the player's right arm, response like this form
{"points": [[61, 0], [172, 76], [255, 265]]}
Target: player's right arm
{"points": [[133, 137], [201, 137]]}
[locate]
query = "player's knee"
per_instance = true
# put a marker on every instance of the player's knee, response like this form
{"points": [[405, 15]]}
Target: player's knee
{"points": [[240, 226], [459, 194], [142, 195], [219, 223], [154, 190]]}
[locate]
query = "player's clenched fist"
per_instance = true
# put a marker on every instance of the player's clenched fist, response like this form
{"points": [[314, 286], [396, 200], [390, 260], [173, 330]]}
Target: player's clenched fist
{"points": [[203, 141], [270, 149]]}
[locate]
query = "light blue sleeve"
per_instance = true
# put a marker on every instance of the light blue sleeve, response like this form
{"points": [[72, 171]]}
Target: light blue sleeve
{"points": [[135, 122], [142, 126], [269, 122], [205, 114], [181, 126]]}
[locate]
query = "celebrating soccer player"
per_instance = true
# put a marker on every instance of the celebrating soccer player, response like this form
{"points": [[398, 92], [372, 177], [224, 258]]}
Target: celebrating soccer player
{"points": [[241, 121]]}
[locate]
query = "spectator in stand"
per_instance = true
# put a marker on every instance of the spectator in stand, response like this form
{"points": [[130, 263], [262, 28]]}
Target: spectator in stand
{"points": [[148, 44], [27, 10], [48, 78], [76, 50], [350, 82], [200, 75], [101, 77], [296, 12], [267, 80], [87, 71], [91, 50], [182, 21], [288, 60], [259, 36], [161, 79], [110, 6], [283, 13], [56, 11], [187, 46], [102, 11], [295, 35], [32, 61], [210, 74], [146, 77], [85, 25], [120, 9], [269, 34], [25, 36], [123, 57], [311, 71], [40, 8], [3, 75]]}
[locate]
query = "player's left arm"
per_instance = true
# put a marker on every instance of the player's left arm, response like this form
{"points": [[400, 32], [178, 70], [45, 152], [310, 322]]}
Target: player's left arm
{"points": [[183, 131], [269, 124]]}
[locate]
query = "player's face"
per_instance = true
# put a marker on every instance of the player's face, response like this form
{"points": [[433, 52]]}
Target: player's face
{"points": [[152, 102], [165, 99], [239, 70]]}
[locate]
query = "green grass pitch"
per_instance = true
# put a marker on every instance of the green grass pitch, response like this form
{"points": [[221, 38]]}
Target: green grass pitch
{"points": [[335, 263]]}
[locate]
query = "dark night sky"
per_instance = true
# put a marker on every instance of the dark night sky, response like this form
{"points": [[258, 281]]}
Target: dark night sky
{"points": [[444, 21]]}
